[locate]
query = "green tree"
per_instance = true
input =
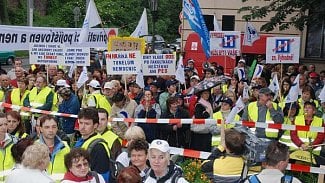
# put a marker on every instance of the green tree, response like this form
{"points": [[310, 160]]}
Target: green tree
{"points": [[298, 13]]}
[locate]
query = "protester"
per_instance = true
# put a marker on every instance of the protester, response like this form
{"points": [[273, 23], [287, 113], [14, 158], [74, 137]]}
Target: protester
{"points": [[225, 164], [148, 108], [201, 134], [264, 110], [175, 134], [77, 162], [18, 149], [93, 142], [35, 160], [108, 135], [15, 125], [171, 91], [57, 147], [162, 169], [277, 159], [129, 174]]}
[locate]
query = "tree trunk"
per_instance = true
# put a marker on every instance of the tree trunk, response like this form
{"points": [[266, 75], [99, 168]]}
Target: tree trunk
{"points": [[4, 18]]}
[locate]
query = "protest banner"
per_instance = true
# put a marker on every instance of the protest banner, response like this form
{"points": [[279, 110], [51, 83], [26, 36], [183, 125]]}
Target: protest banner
{"points": [[223, 43], [123, 62], [19, 37], [80, 55], [159, 64], [49, 54], [126, 44], [282, 50]]}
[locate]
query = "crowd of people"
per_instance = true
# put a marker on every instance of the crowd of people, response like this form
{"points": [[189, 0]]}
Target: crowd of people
{"points": [[94, 148]]}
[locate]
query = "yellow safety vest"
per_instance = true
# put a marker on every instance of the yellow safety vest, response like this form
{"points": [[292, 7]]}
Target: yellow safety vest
{"points": [[110, 137], [39, 99], [15, 97], [216, 139], [55, 106], [101, 102], [56, 168], [253, 115], [24, 135], [286, 137], [7, 162], [2, 94], [86, 144], [303, 135]]}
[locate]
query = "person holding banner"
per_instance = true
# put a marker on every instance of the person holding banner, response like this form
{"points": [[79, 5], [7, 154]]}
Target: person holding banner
{"points": [[264, 110]]}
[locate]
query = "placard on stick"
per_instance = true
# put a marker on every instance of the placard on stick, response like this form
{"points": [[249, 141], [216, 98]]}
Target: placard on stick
{"points": [[123, 62], [48, 54], [126, 44]]}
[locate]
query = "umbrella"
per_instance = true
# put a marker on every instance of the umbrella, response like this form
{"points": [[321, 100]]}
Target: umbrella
{"points": [[210, 83]]}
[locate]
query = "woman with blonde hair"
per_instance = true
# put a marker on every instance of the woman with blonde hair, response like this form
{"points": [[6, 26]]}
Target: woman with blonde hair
{"points": [[35, 161]]}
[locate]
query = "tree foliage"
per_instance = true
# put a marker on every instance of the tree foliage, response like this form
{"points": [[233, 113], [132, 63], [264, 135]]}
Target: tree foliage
{"points": [[297, 13], [123, 14]]}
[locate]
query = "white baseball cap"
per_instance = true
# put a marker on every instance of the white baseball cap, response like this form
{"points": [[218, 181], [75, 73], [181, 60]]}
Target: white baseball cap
{"points": [[94, 83], [161, 145], [195, 77], [109, 85], [62, 82]]}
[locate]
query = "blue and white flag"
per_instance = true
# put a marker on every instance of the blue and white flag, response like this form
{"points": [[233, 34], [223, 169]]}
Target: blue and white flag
{"points": [[83, 78], [216, 25], [139, 79], [142, 27], [258, 71], [322, 95], [180, 74], [241, 73], [294, 91], [91, 19], [235, 110], [274, 86], [72, 68], [251, 34], [192, 12]]}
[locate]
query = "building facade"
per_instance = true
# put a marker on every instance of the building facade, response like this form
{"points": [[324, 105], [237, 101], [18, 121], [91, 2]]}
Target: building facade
{"points": [[312, 48]]}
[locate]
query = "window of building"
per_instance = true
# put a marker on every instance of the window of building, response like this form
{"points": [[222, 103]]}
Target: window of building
{"points": [[315, 44], [228, 22]]}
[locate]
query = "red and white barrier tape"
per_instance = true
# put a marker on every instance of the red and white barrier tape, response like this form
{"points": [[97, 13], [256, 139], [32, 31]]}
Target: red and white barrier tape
{"points": [[175, 121], [204, 155]]}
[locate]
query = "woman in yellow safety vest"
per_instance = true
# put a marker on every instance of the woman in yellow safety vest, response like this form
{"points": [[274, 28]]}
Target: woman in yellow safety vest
{"points": [[307, 139], [308, 94], [15, 125], [290, 112]]}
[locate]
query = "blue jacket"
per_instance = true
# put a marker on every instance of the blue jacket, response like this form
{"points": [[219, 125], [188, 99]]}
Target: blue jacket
{"points": [[70, 106]]}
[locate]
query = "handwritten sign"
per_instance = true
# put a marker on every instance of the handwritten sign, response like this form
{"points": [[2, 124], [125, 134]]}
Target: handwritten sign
{"points": [[126, 44], [80, 55], [49, 54], [123, 62], [158, 64], [282, 50], [224, 43]]}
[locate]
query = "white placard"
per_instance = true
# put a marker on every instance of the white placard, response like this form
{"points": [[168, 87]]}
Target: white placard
{"points": [[282, 50], [80, 55], [123, 62], [159, 64], [224, 43], [49, 54]]}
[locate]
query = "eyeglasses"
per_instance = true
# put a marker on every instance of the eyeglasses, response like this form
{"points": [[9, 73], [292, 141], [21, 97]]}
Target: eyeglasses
{"points": [[80, 165]]}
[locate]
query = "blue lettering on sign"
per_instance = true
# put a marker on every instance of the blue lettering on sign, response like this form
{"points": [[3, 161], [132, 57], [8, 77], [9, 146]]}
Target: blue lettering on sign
{"points": [[282, 45], [229, 41]]}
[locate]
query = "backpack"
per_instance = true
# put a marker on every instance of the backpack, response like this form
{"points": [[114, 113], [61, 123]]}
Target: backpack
{"points": [[284, 179], [113, 166]]}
